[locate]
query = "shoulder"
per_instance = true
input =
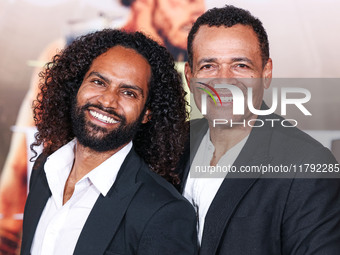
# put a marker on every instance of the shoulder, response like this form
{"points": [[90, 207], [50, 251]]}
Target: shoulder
{"points": [[198, 124], [297, 144], [156, 195], [159, 212], [157, 190], [38, 169], [157, 205]]}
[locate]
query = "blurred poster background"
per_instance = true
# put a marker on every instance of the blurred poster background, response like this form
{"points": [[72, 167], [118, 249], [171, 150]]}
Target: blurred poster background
{"points": [[303, 36]]}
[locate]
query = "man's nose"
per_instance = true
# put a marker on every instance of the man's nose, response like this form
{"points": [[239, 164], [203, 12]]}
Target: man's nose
{"points": [[225, 72], [109, 98]]}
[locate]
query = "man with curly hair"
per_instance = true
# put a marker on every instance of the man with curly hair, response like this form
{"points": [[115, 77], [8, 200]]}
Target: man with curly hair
{"points": [[111, 114], [251, 213], [167, 21]]}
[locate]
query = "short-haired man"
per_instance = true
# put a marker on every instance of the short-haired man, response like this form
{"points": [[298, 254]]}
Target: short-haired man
{"points": [[92, 190], [251, 214]]}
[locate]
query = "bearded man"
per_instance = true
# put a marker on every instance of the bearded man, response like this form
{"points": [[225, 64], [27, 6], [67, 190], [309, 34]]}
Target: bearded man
{"points": [[111, 114]]}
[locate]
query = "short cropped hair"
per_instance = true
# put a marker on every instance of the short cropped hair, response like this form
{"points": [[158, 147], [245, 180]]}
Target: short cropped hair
{"points": [[229, 16]]}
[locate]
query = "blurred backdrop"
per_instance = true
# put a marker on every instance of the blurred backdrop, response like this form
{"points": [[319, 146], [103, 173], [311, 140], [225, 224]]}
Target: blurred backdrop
{"points": [[303, 36]]}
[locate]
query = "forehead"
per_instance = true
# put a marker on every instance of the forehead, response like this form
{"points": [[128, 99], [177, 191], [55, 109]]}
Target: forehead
{"points": [[223, 40], [123, 62], [120, 54]]}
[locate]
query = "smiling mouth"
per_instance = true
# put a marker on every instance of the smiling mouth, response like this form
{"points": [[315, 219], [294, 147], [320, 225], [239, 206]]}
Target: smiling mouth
{"points": [[102, 117], [226, 99]]}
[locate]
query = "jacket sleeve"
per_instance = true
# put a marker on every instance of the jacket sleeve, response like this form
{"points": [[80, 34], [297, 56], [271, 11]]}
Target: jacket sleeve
{"points": [[311, 221]]}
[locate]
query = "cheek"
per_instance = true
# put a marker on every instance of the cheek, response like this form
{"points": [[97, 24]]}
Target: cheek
{"points": [[129, 110], [254, 83], [257, 96], [197, 98], [80, 98], [85, 95]]}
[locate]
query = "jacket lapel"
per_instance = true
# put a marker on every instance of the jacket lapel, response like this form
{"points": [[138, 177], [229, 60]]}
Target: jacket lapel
{"points": [[40, 191], [233, 189], [109, 211]]}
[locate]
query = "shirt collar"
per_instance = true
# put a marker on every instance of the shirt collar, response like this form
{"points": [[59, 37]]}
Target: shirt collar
{"points": [[104, 175], [59, 164], [230, 156], [57, 168]]}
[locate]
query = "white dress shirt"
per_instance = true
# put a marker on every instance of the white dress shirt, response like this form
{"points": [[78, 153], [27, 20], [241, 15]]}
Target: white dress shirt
{"points": [[201, 191], [60, 225]]}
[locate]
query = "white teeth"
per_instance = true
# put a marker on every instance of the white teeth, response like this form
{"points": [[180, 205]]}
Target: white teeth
{"points": [[102, 117], [224, 99]]}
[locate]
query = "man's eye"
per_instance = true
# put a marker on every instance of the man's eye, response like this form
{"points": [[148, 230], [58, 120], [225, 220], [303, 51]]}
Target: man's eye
{"points": [[242, 66], [129, 93], [98, 82], [206, 67]]}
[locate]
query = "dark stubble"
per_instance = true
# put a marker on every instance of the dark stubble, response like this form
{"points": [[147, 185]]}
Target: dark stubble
{"points": [[98, 138]]}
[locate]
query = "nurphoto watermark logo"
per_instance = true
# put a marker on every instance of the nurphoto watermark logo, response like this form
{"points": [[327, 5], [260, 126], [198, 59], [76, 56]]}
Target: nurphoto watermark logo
{"points": [[241, 97], [239, 125]]}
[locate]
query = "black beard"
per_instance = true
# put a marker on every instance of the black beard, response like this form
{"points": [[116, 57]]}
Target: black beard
{"points": [[98, 138]]}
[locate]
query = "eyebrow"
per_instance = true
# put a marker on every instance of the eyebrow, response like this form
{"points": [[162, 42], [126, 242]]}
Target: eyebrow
{"points": [[242, 59], [134, 87], [237, 59], [94, 73], [125, 86], [207, 60]]}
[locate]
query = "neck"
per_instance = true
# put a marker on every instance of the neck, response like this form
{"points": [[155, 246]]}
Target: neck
{"points": [[86, 159], [225, 138]]}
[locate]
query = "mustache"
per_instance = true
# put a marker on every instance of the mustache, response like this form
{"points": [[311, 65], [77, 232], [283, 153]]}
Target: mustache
{"points": [[109, 110]]}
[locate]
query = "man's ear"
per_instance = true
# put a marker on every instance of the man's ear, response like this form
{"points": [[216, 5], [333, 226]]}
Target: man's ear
{"points": [[188, 74], [267, 73], [147, 116]]}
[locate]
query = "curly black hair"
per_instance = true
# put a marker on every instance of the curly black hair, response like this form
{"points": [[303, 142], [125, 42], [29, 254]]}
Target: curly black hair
{"points": [[229, 16], [159, 142]]}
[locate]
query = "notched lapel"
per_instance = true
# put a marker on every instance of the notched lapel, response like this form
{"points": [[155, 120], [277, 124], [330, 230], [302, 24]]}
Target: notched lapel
{"points": [[224, 204], [108, 212], [233, 189]]}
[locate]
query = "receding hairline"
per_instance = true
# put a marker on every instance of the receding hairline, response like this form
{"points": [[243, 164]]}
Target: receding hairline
{"points": [[227, 27]]}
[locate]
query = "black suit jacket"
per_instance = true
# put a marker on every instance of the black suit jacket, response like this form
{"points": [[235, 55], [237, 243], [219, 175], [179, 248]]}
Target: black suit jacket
{"points": [[141, 214], [262, 216]]}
